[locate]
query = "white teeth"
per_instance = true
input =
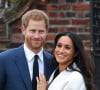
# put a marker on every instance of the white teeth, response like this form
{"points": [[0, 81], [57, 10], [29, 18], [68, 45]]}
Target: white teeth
{"points": [[61, 56]]}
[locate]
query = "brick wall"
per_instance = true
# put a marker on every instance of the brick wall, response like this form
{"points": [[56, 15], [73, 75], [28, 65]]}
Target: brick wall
{"points": [[65, 15]]}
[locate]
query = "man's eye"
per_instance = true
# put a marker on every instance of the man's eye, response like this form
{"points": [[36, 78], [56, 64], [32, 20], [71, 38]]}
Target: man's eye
{"points": [[41, 31], [32, 31]]}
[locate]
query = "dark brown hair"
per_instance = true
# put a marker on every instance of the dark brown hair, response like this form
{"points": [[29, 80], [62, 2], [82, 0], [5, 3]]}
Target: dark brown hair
{"points": [[84, 63]]}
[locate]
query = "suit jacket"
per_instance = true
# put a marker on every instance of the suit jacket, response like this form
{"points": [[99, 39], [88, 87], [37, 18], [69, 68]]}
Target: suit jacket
{"points": [[14, 72], [67, 80]]}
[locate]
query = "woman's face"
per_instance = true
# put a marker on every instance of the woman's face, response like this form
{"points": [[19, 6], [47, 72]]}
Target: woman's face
{"points": [[64, 51]]}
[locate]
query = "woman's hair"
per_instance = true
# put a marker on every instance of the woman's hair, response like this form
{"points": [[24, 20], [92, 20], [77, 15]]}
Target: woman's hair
{"points": [[36, 15], [84, 63]]}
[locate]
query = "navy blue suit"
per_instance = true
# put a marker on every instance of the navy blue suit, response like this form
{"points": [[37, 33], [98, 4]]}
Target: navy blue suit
{"points": [[14, 72]]}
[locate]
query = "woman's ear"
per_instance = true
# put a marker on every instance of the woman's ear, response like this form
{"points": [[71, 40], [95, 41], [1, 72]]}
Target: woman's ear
{"points": [[76, 53]]}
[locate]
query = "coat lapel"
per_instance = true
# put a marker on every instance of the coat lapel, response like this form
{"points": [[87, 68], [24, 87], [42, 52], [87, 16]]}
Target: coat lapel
{"points": [[23, 68], [60, 81]]}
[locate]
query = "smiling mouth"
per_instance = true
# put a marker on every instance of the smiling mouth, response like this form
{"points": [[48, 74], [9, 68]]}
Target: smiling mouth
{"points": [[36, 41], [62, 56]]}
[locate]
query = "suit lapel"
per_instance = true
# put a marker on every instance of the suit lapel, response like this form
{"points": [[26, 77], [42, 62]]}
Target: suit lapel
{"points": [[23, 68], [47, 66]]}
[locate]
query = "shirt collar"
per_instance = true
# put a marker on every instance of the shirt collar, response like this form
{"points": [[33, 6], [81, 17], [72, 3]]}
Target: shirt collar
{"points": [[29, 54]]}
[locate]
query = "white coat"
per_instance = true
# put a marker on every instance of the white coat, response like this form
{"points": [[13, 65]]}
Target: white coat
{"points": [[67, 80]]}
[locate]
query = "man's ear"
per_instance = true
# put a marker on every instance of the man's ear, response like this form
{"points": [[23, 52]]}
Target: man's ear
{"points": [[47, 31], [23, 30]]}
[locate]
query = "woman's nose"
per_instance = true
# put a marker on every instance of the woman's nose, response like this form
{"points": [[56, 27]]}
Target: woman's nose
{"points": [[61, 49]]}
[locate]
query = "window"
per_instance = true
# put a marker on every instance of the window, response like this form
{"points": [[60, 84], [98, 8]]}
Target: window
{"points": [[1, 4]]}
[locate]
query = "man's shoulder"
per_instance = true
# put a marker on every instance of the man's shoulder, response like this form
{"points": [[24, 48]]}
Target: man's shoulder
{"points": [[48, 54], [10, 51]]}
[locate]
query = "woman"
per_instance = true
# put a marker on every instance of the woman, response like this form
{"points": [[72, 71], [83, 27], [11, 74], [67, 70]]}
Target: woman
{"points": [[74, 69]]}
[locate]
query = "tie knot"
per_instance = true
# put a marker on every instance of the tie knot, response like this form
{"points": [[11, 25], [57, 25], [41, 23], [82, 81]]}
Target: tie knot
{"points": [[35, 57]]}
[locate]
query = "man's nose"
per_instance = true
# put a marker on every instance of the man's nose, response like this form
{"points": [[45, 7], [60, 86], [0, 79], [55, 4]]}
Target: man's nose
{"points": [[36, 35]]}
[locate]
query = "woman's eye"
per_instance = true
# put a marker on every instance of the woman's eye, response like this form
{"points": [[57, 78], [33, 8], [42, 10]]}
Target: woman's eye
{"points": [[58, 45], [67, 47]]}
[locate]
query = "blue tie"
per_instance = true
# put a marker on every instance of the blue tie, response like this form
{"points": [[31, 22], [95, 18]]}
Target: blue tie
{"points": [[35, 72]]}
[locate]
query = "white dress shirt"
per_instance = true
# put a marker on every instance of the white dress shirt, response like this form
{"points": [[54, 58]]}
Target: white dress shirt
{"points": [[30, 59]]}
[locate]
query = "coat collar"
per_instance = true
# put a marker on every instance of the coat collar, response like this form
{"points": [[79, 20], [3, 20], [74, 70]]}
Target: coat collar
{"points": [[22, 65]]}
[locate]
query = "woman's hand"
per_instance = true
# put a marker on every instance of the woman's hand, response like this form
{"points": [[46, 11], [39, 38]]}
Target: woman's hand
{"points": [[41, 82]]}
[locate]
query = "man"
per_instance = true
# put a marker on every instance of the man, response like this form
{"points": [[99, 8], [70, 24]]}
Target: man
{"points": [[16, 65]]}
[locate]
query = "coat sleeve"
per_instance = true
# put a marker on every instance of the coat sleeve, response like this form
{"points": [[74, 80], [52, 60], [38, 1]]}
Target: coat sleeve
{"points": [[75, 82], [2, 74]]}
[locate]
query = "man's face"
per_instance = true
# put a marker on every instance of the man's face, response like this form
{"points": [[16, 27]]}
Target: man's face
{"points": [[35, 34]]}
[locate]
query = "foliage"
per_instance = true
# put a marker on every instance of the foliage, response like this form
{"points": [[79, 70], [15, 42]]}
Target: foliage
{"points": [[16, 1]]}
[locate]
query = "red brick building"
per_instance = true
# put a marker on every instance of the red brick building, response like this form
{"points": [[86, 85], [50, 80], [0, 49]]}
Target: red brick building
{"points": [[65, 15]]}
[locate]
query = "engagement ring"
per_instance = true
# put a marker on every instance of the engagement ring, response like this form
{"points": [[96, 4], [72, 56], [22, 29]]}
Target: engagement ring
{"points": [[40, 82]]}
